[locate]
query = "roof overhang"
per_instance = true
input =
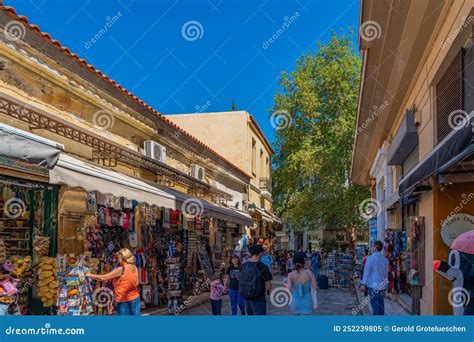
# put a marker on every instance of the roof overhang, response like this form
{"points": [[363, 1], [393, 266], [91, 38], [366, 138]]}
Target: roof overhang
{"points": [[391, 63]]}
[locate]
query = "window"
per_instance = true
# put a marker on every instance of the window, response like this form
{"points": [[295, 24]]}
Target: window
{"points": [[267, 167], [262, 166], [449, 96], [254, 156]]}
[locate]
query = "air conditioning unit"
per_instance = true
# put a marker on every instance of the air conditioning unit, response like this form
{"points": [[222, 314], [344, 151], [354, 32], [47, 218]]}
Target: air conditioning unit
{"points": [[155, 151], [197, 171]]}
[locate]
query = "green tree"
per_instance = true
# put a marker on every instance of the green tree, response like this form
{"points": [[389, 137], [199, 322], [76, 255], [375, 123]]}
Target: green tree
{"points": [[314, 115]]}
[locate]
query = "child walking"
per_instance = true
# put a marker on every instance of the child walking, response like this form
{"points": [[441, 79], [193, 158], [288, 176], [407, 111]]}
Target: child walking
{"points": [[217, 290]]}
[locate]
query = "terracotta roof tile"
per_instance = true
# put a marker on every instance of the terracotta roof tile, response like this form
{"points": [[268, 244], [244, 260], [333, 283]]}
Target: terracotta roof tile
{"points": [[11, 11]]}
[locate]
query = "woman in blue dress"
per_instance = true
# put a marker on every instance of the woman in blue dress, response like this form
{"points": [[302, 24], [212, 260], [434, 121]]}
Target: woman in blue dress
{"points": [[300, 282]]}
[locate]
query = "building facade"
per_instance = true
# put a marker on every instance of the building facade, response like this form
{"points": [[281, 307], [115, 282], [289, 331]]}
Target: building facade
{"points": [[84, 156], [413, 144], [237, 136]]}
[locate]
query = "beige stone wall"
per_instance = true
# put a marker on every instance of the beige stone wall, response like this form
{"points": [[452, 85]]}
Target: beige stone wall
{"points": [[422, 96], [38, 82], [224, 132], [233, 135]]}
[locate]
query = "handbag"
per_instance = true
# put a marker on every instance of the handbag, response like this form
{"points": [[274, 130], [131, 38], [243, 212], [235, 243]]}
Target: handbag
{"points": [[314, 296]]}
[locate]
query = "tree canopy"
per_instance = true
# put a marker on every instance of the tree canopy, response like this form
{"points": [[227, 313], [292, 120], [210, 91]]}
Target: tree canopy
{"points": [[314, 115]]}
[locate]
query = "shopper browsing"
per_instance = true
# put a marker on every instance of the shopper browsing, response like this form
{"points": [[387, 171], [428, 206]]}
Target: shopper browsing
{"points": [[255, 282], [217, 290], [125, 280], [231, 281], [375, 278]]}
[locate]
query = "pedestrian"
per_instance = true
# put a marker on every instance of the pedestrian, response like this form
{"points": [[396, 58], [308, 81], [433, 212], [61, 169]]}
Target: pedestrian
{"points": [[255, 282], [215, 296], [364, 261], [301, 282], [289, 264], [231, 281], [375, 278], [267, 259], [125, 281], [315, 263]]}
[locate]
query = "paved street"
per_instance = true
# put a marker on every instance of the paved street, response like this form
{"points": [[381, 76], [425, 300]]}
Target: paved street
{"points": [[331, 302]]}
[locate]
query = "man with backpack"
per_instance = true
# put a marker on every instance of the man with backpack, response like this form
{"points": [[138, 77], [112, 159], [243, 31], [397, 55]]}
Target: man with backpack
{"points": [[254, 282]]}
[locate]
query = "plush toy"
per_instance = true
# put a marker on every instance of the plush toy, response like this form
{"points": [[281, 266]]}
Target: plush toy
{"points": [[460, 270]]}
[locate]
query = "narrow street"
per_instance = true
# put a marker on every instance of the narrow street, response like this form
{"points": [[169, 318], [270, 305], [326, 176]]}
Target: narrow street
{"points": [[333, 301]]}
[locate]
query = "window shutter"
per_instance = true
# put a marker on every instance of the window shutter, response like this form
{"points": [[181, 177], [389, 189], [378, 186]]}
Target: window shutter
{"points": [[449, 96]]}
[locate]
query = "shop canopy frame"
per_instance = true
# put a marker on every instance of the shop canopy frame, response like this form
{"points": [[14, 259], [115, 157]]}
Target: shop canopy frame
{"points": [[76, 173], [456, 145]]}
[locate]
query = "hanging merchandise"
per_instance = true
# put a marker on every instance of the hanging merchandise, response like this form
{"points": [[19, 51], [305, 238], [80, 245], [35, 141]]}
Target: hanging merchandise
{"points": [[41, 245], [47, 284]]}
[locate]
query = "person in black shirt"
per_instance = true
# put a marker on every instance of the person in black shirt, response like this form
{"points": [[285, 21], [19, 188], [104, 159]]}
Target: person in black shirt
{"points": [[255, 304], [232, 284]]}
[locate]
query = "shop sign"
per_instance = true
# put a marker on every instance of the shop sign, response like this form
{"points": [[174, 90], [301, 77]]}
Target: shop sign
{"points": [[456, 225]]}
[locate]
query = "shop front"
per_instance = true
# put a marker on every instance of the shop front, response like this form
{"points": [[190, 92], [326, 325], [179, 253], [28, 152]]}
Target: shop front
{"points": [[63, 217]]}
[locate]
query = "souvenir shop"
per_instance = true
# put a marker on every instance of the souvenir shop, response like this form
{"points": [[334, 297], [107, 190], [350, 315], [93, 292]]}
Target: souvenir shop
{"points": [[27, 232], [405, 251], [97, 217]]}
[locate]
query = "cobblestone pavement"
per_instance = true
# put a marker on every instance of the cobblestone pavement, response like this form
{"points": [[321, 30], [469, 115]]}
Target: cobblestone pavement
{"points": [[331, 302]]}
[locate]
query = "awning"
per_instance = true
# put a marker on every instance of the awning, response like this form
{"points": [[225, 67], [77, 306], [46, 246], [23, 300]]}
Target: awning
{"points": [[265, 216], [27, 147], [450, 148], [184, 202], [76, 173]]}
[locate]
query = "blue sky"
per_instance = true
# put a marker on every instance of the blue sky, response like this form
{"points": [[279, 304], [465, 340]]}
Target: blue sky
{"points": [[184, 56]]}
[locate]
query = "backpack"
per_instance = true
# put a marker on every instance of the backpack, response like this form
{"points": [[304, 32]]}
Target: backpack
{"points": [[250, 284]]}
